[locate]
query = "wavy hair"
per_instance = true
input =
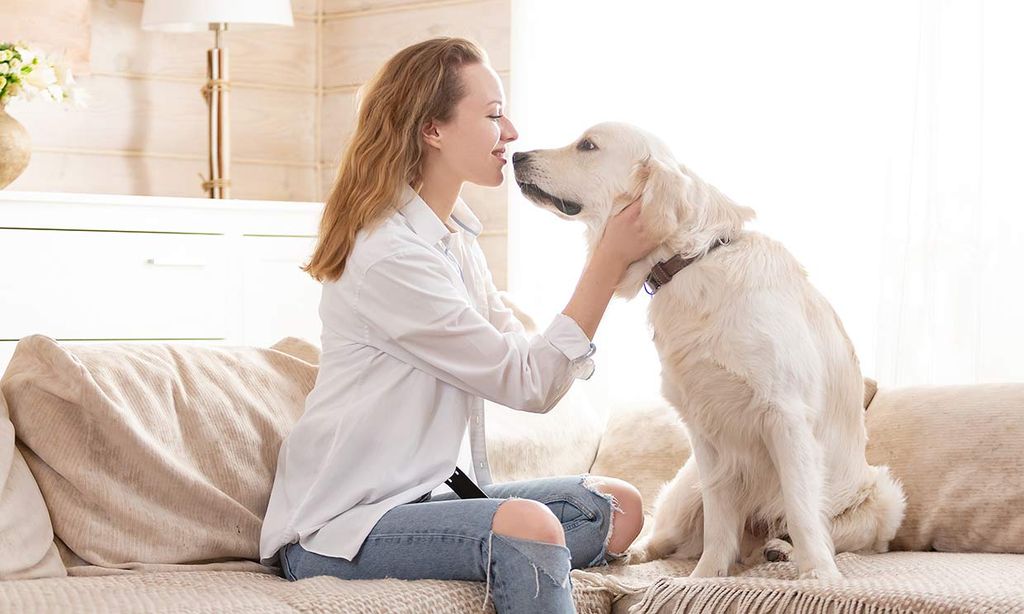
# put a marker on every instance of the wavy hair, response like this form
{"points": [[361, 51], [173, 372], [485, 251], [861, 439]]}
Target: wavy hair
{"points": [[419, 84]]}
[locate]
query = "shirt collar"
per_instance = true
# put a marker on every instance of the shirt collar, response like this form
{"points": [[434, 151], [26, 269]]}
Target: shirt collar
{"points": [[425, 222]]}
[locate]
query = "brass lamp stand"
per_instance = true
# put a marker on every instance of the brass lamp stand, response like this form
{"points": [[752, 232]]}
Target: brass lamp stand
{"points": [[217, 101]]}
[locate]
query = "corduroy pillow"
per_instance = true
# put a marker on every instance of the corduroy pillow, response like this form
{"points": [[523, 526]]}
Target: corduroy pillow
{"points": [[156, 452], [27, 549], [959, 452]]}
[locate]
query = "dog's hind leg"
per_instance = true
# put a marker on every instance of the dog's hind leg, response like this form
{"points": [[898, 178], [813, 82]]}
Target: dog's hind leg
{"points": [[871, 523]]}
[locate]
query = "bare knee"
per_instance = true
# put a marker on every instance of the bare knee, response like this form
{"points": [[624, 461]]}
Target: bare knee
{"points": [[629, 518], [528, 519]]}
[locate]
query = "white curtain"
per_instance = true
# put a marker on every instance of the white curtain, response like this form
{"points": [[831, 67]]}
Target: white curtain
{"points": [[878, 140]]}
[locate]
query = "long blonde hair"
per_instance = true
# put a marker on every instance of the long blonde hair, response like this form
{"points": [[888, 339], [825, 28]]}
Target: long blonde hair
{"points": [[421, 83]]}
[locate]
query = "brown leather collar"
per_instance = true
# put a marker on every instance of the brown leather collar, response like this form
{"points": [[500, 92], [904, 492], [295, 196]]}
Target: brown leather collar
{"points": [[663, 272]]}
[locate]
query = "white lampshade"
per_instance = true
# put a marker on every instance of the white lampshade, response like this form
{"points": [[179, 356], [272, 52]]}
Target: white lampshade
{"points": [[197, 15]]}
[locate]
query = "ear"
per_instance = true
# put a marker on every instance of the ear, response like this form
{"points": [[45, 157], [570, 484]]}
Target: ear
{"points": [[662, 191], [431, 135]]}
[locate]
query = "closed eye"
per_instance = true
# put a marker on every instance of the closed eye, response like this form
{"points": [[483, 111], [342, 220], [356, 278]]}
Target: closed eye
{"points": [[586, 145]]}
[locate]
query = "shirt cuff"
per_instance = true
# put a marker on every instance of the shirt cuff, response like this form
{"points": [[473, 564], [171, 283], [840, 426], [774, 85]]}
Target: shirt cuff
{"points": [[566, 335]]}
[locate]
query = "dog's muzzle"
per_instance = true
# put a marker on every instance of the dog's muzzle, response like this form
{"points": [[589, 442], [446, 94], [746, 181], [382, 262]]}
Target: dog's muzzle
{"points": [[522, 168]]}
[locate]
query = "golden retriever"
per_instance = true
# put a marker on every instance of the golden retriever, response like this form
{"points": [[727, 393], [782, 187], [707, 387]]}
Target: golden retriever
{"points": [[753, 358]]}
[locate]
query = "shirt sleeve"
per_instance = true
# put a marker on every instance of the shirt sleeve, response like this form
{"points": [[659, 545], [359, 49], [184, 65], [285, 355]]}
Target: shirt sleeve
{"points": [[503, 318], [414, 311]]}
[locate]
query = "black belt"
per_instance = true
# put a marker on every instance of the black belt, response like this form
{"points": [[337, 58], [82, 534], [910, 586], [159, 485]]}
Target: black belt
{"points": [[464, 487]]}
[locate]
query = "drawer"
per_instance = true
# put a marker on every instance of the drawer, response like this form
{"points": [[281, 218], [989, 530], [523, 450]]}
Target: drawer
{"points": [[278, 298], [112, 285]]}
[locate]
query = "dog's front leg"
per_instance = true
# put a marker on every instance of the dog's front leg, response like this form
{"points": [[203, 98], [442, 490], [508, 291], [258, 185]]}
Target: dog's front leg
{"points": [[723, 525], [798, 461]]}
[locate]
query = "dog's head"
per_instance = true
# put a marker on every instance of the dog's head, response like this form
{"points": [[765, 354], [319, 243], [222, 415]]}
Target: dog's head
{"points": [[598, 174], [611, 165]]}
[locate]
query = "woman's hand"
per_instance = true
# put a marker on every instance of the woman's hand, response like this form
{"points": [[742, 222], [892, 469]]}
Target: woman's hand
{"points": [[625, 238]]}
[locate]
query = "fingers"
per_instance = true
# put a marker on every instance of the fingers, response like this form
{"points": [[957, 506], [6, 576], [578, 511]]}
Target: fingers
{"points": [[631, 208]]}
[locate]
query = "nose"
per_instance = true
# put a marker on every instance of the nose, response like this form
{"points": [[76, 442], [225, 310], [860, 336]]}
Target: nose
{"points": [[519, 156]]}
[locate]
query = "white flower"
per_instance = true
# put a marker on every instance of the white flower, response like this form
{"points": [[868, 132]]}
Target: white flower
{"points": [[37, 74], [27, 55], [41, 76]]}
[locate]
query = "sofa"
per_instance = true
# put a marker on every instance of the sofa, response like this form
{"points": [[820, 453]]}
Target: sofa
{"points": [[135, 476]]}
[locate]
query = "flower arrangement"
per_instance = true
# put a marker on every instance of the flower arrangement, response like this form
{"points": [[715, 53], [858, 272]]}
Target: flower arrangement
{"points": [[28, 73]]}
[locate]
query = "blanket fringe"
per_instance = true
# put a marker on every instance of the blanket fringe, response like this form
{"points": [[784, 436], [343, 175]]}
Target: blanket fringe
{"points": [[703, 597]]}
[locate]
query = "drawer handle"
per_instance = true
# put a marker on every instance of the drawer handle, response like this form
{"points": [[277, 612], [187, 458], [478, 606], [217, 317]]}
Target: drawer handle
{"points": [[168, 262]]}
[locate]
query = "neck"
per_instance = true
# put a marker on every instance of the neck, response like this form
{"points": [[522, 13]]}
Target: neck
{"points": [[440, 190], [715, 217]]}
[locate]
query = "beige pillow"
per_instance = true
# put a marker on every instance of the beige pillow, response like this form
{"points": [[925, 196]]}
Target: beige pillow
{"points": [[27, 549], [644, 445], [523, 445], [157, 453], [959, 452]]}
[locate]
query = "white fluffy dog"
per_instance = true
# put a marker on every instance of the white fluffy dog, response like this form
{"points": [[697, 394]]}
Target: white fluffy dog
{"points": [[754, 359]]}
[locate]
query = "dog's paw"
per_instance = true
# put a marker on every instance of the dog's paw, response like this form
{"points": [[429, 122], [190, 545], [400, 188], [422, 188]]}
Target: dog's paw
{"points": [[708, 567], [777, 550], [639, 554]]}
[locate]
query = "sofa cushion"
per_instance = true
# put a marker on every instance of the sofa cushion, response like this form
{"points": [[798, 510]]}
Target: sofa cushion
{"points": [[154, 452], [564, 441], [27, 549], [958, 450], [232, 591]]}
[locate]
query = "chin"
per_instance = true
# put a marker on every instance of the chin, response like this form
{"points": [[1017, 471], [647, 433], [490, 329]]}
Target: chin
{"points": [[490, 182]]}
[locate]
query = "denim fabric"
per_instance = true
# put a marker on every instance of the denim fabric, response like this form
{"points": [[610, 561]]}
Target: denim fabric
{"points": [[447, 538]]}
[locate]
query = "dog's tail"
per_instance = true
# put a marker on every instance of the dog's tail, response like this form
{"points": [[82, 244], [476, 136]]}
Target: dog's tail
{"points": [[870, 524]]}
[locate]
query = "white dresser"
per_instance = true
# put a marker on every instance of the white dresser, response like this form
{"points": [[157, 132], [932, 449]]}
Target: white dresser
{"points": [[92, 267]]}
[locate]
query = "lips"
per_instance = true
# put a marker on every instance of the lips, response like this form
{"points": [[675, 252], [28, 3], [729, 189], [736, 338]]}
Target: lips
{"points": [[499, 154]]}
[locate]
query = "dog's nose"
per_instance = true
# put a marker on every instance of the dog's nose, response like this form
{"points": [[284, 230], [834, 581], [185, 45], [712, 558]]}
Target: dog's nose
{"points": [[519, 156]]}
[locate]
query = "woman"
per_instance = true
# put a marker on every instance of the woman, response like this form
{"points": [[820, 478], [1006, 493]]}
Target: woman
{"points": [[414, 336]]}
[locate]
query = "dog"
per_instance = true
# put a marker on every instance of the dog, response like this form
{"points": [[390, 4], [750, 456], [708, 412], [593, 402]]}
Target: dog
{"points": [[754, 359]]}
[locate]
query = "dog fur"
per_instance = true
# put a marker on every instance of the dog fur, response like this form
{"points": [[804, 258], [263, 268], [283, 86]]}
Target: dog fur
{"points": [[754, 359]]}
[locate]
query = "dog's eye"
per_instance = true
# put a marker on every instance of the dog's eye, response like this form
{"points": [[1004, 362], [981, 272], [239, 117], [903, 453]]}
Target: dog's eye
{"points": [[586, 145]]}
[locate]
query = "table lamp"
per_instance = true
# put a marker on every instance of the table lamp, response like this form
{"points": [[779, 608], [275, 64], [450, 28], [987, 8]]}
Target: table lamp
{"points": [[216, 15]]}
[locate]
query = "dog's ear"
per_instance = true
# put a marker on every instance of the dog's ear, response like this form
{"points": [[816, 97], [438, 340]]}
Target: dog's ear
{"points": [[662, 191]]}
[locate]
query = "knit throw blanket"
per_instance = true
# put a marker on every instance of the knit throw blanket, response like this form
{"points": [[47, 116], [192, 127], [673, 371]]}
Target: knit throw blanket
{"points": [[925, 582]]}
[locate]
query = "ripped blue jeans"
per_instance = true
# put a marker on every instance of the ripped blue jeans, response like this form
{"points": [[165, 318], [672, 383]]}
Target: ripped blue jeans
{"points": [[447, 538]]}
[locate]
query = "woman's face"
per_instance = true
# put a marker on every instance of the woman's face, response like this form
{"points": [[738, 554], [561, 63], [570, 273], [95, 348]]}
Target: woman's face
{"points": [[471, 145]]}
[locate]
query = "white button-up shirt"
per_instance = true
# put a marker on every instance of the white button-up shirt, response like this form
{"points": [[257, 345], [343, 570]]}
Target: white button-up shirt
{"points": [[414, 337]]}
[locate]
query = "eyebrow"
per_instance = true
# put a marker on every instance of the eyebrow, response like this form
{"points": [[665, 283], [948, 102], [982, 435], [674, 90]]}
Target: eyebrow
{"points": [[495, 101]]}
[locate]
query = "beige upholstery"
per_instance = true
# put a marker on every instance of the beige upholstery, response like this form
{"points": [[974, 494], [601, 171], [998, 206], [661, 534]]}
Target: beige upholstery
{"points": [[26, 535], [959, 452], [155, 461], [154, 453]]}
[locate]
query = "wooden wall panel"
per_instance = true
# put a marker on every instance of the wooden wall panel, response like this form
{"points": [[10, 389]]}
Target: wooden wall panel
{"points": [[354, 47], [55, 26], [118, 173], [170, 117], [279, 56]]}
